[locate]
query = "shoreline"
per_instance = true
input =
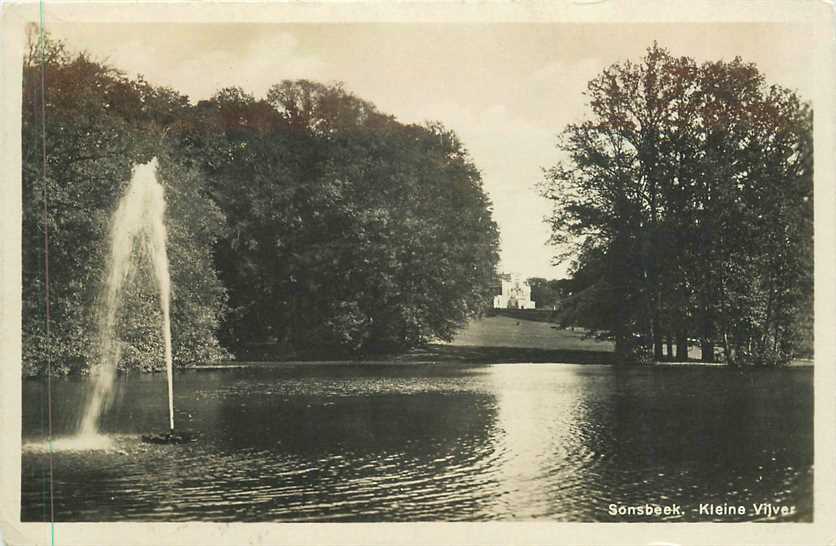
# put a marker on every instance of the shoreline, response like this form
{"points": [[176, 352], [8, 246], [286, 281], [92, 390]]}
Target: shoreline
{"points": [[448, 355], [505, 349], [457, 355]]}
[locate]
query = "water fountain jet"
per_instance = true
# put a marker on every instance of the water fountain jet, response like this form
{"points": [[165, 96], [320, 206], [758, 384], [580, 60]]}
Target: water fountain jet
{"points": [[138, 219]]}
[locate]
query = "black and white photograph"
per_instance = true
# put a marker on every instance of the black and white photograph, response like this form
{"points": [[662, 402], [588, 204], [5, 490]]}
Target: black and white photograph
{"points": [[417, 271]]}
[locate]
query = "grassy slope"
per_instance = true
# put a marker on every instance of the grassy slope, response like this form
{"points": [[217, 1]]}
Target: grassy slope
{"points": [[503, 339], [506, 339], [502, 331]]}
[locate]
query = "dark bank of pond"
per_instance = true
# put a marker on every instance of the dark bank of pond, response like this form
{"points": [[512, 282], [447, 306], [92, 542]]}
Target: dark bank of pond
{"points": [[441, 352], [438, 353], [430, 442]]}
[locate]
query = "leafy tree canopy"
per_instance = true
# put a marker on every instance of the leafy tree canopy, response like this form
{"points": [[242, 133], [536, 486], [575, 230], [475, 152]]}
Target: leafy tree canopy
{"points": [[686, 199], [306, 217]]}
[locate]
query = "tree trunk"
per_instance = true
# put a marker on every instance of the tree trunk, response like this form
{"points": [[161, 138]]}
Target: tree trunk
{"points": [[670, 348], [658, 348], [658, 355], [707, 342], [622, 347], [707, 351], [729, 354], [682, 347]]}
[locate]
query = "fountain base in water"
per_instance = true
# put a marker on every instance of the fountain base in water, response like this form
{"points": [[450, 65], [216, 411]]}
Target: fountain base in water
{"points": [[81, 442], [170, 437]]}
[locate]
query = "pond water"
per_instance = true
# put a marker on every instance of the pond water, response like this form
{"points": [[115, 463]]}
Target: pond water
{"points": [[375, 442]]}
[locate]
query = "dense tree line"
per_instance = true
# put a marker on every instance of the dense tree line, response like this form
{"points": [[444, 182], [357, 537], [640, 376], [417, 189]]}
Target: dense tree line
{"points": [[549, 293], [75, 167], [306, 217], [686, 197], [348, 231]]}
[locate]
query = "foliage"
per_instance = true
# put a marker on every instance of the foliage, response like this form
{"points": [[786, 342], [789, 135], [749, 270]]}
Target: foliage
{"points": [[98, 125], [688, 194], [306, 217], [348, 231], [547, 293]]}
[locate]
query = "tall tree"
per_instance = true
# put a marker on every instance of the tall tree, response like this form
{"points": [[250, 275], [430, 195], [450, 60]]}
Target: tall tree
{"points": [[668, 185]]}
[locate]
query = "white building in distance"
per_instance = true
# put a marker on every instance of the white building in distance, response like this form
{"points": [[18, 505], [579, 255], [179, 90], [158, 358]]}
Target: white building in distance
{"points": [[516, 294]]}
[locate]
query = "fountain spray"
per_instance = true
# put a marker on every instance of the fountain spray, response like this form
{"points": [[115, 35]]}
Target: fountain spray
{"points": [[139, 218]]}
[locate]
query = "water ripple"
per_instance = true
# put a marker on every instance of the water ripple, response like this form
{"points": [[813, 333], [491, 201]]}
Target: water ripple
{"points": [[430, 444]]}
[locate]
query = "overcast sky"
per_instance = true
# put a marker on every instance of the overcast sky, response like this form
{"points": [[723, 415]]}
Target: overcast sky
{"points": [[507, 90]]}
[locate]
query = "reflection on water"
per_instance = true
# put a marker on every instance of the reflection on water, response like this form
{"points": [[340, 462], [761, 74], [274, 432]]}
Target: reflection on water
{"points": [[534, 430], [429, 442]]}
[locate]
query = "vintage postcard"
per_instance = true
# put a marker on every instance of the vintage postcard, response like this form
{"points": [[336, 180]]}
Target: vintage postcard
{"points": [[417, 273]]}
